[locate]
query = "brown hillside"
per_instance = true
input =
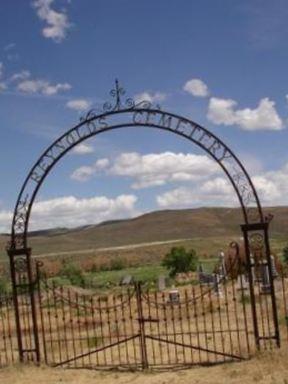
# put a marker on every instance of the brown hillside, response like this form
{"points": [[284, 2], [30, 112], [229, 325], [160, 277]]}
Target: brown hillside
{"points": [[151, 227]]}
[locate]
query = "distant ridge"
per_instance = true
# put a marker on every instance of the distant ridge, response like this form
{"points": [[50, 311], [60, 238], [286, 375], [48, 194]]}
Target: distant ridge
{"points": [[154, 226]]}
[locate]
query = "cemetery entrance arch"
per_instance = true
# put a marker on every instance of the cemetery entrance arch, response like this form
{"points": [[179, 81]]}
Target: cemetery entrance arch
{"points": [[118, 114]]}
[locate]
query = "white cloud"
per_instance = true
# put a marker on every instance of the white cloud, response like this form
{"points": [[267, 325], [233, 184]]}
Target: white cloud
{"points": [[263, 117], [70, 211], [57, 22], [1, 69], [151, 97], [271, 186], [83, 149], [196, 87], [215, 192], [152, 169], [3, 86], [85, 172], [23, 75], [42, 86], [78, 104], [10, 46]]}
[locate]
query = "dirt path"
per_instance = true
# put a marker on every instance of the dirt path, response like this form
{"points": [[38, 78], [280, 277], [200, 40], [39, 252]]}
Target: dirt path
{"points": [[269, 368], [122, 247]]}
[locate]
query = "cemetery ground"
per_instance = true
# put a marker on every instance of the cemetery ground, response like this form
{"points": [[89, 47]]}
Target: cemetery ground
{"points": [[265, 368]]}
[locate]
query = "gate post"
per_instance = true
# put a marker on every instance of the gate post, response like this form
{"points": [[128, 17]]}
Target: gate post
{"points": [[256, 241], [141, 320], [23, 286]]}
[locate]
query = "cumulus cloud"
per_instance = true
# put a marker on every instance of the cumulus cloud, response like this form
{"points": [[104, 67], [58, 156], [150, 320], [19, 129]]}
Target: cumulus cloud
{"points": [[83, 149], [22, 75], [214, 192], [196, 87], [263, 117], [152, 169], [70, 211], [85, 172], [271, 187], [151, 97], [57, 22], [78, 104], [42, 86]]}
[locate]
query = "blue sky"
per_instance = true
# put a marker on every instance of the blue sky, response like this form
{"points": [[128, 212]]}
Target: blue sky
{"points": [[221, 63]]}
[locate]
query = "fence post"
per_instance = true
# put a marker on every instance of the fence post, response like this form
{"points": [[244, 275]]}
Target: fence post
{"points": [[23, 285], [141, 320]]}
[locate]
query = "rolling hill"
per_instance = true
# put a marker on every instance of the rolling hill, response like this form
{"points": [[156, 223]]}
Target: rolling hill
{"points": [[166, 225]]}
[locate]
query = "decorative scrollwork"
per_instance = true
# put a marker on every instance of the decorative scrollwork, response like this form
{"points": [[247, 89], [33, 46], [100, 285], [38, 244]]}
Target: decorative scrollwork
{"points": [[20, 264], [120, 103], [256, 241]]}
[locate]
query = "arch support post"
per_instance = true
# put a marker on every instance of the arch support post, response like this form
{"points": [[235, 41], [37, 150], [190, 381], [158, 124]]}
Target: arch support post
{"points": [[261, 274], [23, 288]]}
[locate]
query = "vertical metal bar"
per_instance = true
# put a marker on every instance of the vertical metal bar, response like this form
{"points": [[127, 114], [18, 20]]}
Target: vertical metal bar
{"points": [[158, 324], [79, 327], [33, 306], [228, 318], [16, 304], [196, 322], [180, 319], [143, 346], [236, 317], [95, 335], [117, 329], [101, 329], [243, 300], [188, 318], [57, 321], [4, 334], [150, 327], [273, 296], [211, 310], [132, 326], [124, 329], [64, 323], [41, 312], [50, 321], [221, 326], [165, 319], [284, 301], [251, 287], [7, 299], [204, 322], [109, 330], [71, 322]]}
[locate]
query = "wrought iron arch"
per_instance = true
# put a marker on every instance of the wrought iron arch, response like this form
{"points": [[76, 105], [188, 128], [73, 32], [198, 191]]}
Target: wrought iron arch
{"points": [[127, 113], [131, 114]]}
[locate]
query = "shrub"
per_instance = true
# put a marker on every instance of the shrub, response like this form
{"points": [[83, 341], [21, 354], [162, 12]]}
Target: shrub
{"points": [[117, 264], [179, 260], [3, 285], [73, 273], [285, 254]]}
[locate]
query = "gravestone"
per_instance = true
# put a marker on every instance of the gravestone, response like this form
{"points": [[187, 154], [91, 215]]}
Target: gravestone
{"points": [[265, 287], [216, 285], [174, 297], [161, 283], [127, 280], [242, 282]]}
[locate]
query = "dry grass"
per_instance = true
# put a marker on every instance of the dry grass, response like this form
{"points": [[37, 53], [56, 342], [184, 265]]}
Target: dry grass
{"points": [[266, 368]]}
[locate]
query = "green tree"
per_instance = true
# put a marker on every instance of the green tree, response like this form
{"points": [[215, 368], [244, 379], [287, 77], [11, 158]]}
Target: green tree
{"points": [[179, 260], [285, 254]]}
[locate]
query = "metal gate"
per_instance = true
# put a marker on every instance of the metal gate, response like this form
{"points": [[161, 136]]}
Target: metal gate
{"points": [[200, 324]]}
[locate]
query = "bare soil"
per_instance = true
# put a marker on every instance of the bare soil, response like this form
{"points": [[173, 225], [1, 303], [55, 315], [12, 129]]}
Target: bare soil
{"points": [[266, 368]]}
